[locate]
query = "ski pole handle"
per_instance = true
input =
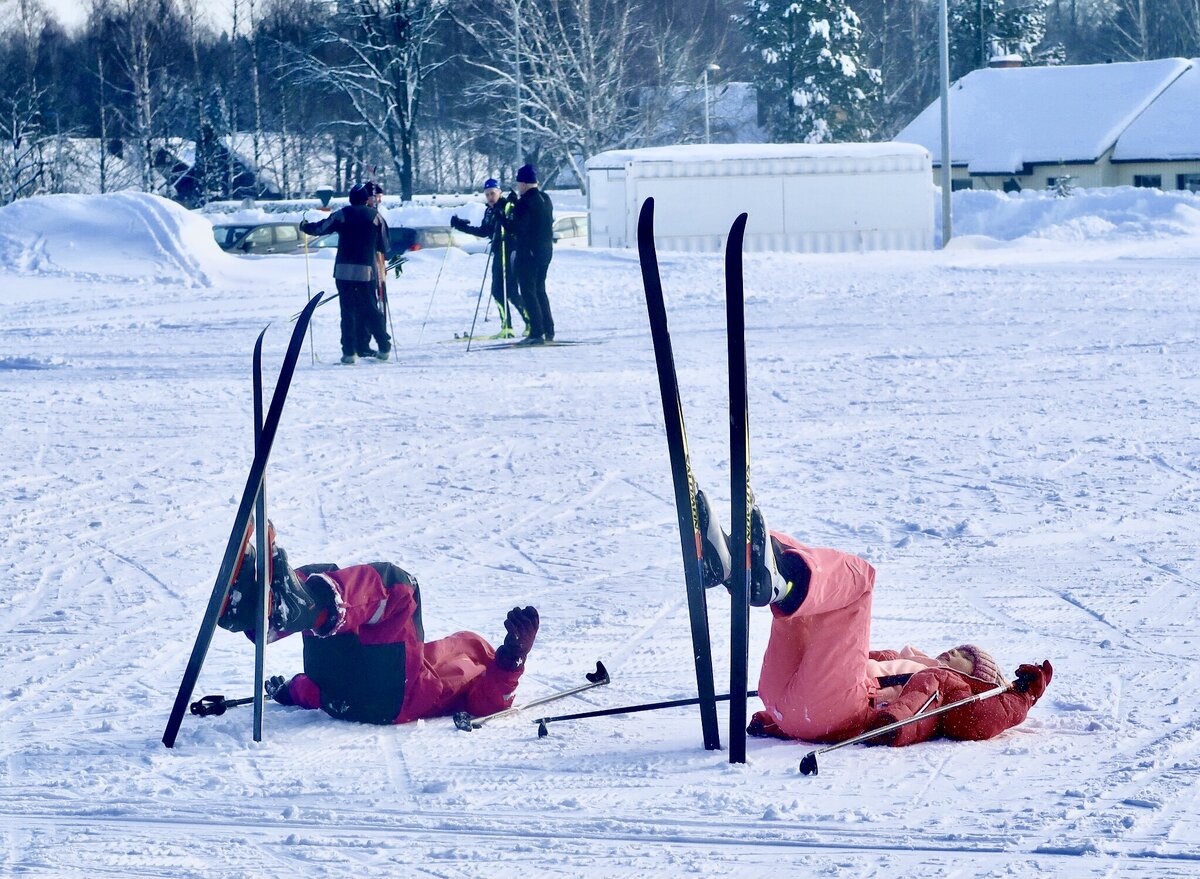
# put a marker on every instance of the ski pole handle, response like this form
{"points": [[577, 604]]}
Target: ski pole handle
{"points": [[215, 706]]}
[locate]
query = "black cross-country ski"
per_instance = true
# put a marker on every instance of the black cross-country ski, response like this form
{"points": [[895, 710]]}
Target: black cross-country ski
{"points": [[682, 477], [241, 522], [262, 554], [556, 343], [739, 457]]}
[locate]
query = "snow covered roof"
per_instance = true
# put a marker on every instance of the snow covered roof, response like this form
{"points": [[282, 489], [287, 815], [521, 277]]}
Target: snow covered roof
{"points": [[1003, 119], [740, 152], [1170, 127]]}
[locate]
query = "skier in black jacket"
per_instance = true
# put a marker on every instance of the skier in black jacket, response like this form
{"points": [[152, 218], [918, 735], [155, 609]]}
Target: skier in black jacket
{"points": [[504, 275], [532, 225], [362, 235]]}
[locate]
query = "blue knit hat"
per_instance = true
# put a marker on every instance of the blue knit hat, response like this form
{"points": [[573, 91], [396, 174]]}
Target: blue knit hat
{"points": [[527, 174], [491, 183]]}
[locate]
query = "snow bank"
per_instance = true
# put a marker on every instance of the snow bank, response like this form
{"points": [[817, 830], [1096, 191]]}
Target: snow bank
{"points": [[129, 235], [1122, 212]]}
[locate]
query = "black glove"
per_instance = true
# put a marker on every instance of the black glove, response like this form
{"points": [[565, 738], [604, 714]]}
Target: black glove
{"points": [[277, 689], [304, 227], [456, 223], [522, 627]]}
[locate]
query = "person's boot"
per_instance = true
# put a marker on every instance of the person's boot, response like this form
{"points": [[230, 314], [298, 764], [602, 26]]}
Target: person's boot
{"points": [[522, 627], [293, 607], [349, 359], [717, 559], [237, 614], [766, 583]]}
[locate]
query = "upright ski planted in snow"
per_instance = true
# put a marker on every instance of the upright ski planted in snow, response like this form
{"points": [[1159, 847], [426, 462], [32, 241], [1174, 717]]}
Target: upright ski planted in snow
{"points": [[262, 550], [241, 523], [681, 474], [739, 457]]}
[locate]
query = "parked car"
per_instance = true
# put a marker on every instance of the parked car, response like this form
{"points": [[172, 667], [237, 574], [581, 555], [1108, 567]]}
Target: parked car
{"points": [[407, 238], [571, 230], [259, 237]]}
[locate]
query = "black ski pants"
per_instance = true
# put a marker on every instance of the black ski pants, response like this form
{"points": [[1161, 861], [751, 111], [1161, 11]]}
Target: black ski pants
{"points": [[361, 317], [504, 275], [531, 276]]}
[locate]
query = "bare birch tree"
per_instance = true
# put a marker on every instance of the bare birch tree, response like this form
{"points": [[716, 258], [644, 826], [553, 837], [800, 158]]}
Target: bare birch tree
{"points": [[377, 55], [579, 87]]}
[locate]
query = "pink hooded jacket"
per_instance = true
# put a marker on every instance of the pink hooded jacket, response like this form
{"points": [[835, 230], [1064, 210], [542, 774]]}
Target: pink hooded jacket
{"points": [[819, 677]]}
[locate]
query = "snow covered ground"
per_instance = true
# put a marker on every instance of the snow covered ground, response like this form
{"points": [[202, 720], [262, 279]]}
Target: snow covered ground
{"points": [[1007, 429]]}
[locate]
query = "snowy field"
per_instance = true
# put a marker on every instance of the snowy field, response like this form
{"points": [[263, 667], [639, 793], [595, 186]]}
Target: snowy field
{"points": [[1007, 429]]}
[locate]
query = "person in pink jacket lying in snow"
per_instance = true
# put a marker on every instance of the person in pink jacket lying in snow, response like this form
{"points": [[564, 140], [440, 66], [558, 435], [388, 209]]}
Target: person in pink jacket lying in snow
{"points": [[820, 680], [365, 654]]}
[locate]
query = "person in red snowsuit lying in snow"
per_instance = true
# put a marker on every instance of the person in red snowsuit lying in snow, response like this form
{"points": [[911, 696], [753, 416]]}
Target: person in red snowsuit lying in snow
{"points": [[365, 654], [820, 680]]}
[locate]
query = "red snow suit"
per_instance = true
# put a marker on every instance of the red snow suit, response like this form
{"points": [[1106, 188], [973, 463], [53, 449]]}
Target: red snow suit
{"points": [[372, 663], [815, 681]]}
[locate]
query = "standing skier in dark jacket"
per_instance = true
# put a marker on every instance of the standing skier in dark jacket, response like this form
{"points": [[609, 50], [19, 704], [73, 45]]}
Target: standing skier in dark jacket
{"points": [[532, 224], [362, 235], [504, 275]]}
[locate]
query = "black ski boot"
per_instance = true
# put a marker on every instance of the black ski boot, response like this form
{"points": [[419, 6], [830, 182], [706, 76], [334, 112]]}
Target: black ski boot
{"points": [[766, 583]]}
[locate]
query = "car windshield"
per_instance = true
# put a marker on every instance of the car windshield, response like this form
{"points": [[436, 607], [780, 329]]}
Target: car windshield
{"points": [[227, 236]]}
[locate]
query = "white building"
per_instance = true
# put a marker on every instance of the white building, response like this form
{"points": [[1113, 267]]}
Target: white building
{"points": [[799, 197], [1100, 124]]}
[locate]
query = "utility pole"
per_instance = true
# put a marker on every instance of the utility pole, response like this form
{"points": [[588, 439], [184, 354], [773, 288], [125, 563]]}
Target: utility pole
{"points": [[944, 57], [517, 62]]}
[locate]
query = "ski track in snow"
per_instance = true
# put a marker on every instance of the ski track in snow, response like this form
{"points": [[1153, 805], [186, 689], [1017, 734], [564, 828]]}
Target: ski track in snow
{"points": [[1009, 436]]}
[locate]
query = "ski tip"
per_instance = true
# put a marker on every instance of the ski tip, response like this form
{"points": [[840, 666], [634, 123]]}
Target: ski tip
{"points": [[646, 216], [462, 720]]}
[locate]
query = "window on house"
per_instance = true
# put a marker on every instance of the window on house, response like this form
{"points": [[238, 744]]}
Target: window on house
{"points": [[1148, 181], [1190, 182], [1011, 185], [956, 185]]}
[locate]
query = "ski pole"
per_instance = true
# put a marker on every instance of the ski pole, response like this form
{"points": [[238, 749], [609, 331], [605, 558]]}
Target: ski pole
{"points": [[626, 709], [312, 350], [436, 281], [486, 265], [215, 706], [597, 678], [808, 766], [293, 318], [387, 310]]}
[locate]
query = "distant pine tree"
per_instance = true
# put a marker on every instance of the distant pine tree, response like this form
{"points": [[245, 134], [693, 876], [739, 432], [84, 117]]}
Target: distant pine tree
{"points": [[813, 83]]}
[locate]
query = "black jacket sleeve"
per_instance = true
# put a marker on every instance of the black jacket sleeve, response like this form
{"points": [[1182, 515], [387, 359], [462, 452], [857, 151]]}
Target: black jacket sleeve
{"points": [[329, 224]]}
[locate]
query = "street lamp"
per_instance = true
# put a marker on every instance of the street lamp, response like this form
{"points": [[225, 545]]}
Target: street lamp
{"points": [[707, 129], [517, 75]]}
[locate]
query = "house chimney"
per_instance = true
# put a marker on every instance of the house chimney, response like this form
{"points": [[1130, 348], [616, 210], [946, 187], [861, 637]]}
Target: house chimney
{"points": [[1002, 61]]}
